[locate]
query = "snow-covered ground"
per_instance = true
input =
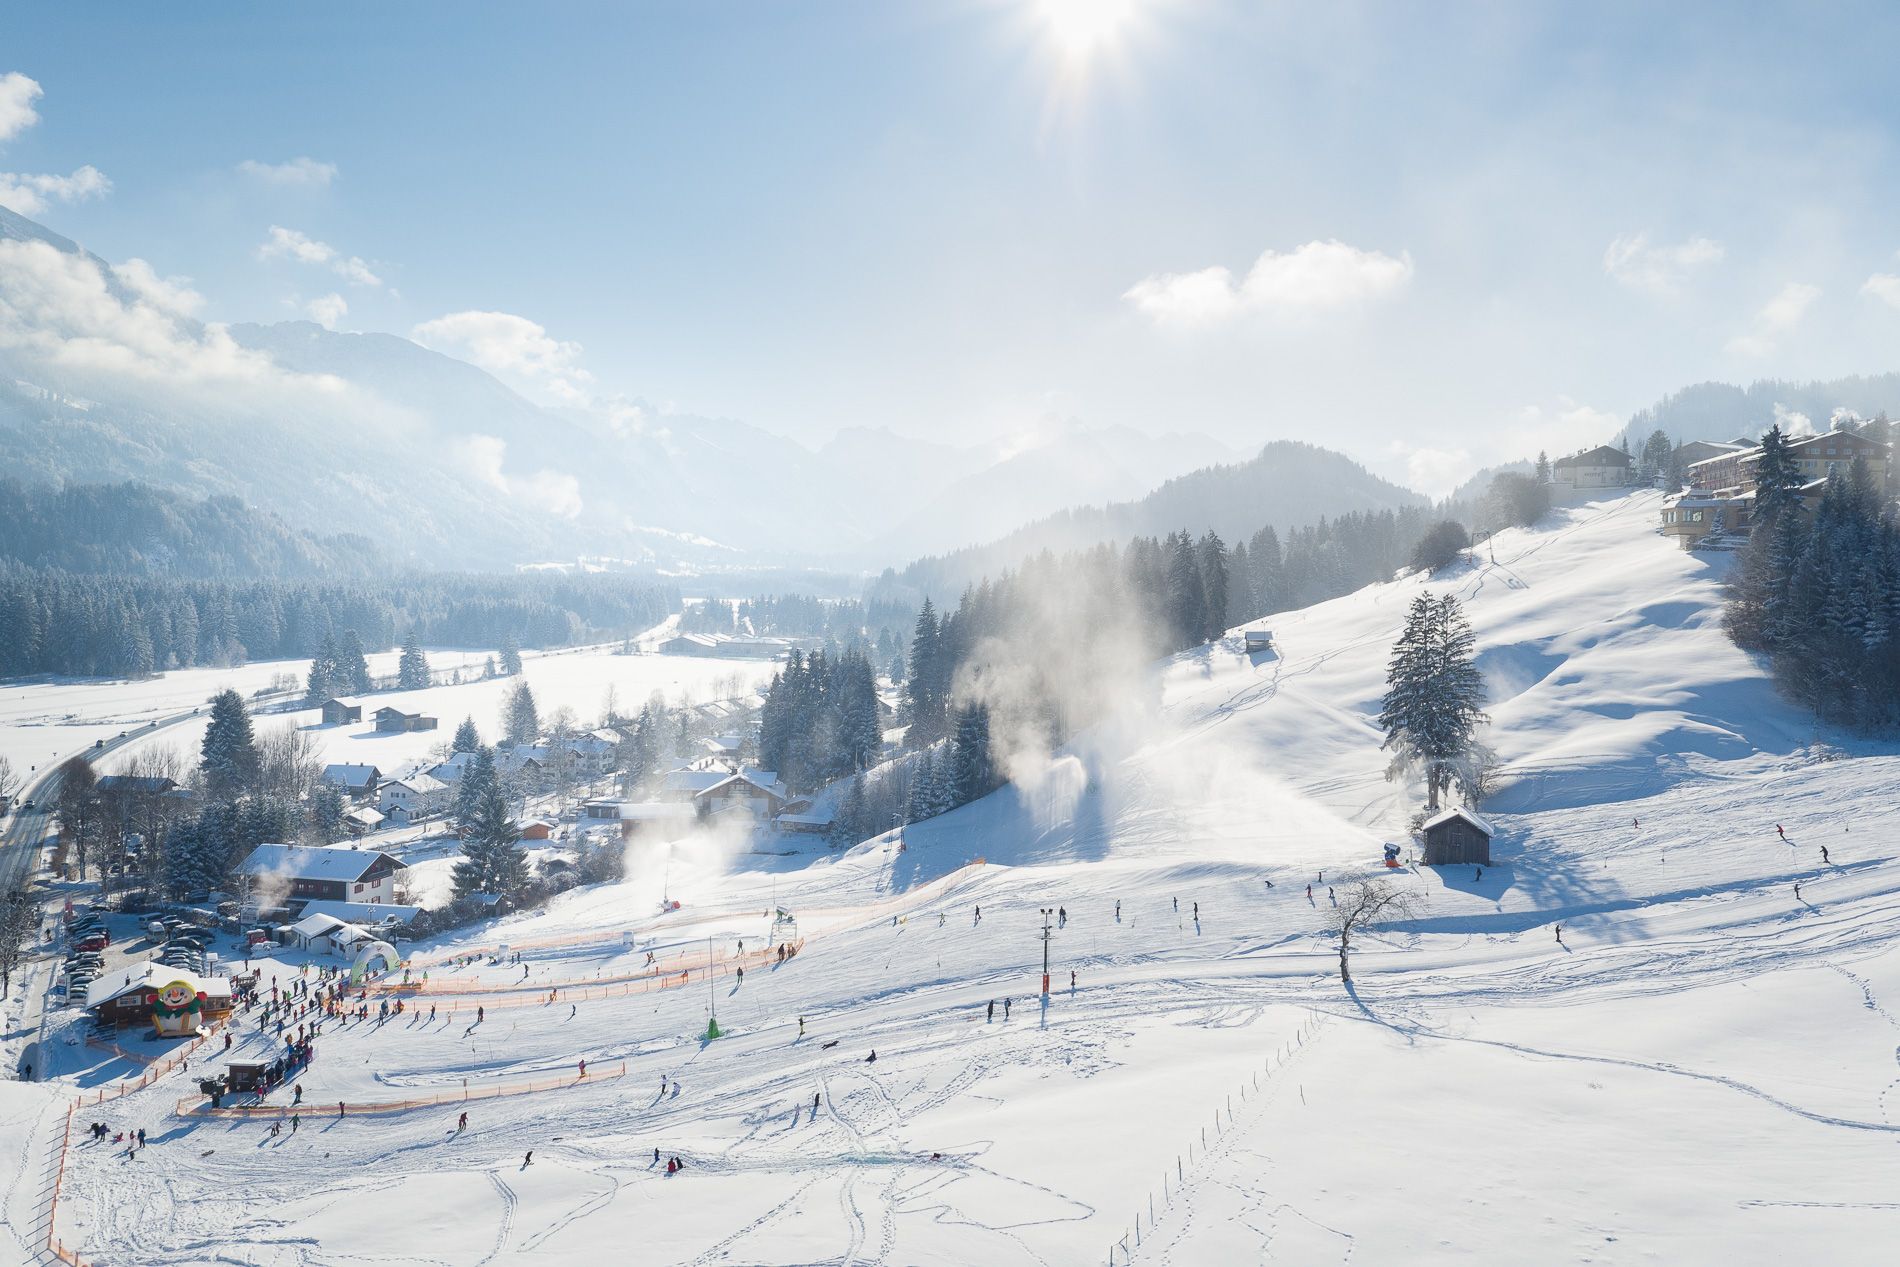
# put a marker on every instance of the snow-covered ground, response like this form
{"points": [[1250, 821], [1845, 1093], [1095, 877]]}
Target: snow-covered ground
{"points": [[1703, 1071], [579, 680]]}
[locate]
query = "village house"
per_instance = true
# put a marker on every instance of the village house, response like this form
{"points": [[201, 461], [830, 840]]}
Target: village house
{"points": [[726, 646], [358, 782], [393, 721], [281, 874], [126, 997], [361, 820], [1457, 836], [412, 797], [687, 781], [370, 915], [757, 793], [451, 769], [1602, 467], [338, 713], [657, 820]]}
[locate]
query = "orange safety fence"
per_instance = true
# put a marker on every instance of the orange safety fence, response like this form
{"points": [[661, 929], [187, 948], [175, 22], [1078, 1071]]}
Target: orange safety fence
{"points": [[192, 1107], [582, 989]]}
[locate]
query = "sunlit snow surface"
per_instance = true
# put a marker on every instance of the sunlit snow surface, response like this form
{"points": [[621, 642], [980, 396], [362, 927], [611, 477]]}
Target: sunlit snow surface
{"points": [[1703, 1072]]}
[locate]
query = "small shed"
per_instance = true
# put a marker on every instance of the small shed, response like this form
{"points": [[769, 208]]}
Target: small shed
{"points": [[1457, 836], [1257, 639], [338, 712]]}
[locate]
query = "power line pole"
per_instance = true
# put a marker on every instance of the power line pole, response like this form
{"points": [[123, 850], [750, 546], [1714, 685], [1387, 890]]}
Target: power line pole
{"points": [[1047, 932]]}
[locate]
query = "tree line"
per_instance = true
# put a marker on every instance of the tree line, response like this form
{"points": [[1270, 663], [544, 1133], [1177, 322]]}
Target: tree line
{"points": [[53, 621]]}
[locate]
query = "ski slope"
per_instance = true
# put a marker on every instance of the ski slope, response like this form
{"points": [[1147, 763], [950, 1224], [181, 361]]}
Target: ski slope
{"points": [[1703, 1071]]}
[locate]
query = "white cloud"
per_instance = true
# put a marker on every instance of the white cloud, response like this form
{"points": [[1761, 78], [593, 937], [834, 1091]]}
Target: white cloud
{"points": [[31, 194], [17, 95], [552, 491], [511, 346], [1658, 268], [298, 172], [174, 293], [327, 310], [289, 244], [1775, 318], [1315, 277], [1883, 286], [61, 309]]}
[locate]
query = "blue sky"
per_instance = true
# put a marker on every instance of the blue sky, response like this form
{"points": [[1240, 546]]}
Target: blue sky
{"points": [[1450, 233]]}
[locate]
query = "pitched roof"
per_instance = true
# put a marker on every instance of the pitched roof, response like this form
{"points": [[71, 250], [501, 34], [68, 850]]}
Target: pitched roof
{"points": [[351, 775], [1457, 811], [311, 862], [153, 975], [136, 783], [361, 912], [1602, 455], [420, 784]]}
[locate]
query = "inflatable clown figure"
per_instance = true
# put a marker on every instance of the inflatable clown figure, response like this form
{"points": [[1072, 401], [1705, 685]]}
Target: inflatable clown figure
{"points": [[177, 1009]]}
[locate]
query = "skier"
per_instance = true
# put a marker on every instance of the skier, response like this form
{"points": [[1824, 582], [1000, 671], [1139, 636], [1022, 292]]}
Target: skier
{"points": [[801, 1027], [1118, 910], [1824, 857], [461, 1123], [583, 1068], [481, 1014], [1797, 890], [872, 1058], [1560, 934], [1072, 981], [992, 1015], [529, 1159], [1779, 832], [141, 1137], [296, 1120], [979, 915], [1177, 905], [742, 976], [1197, 912], [339, 1108], [656, 1156], [814, 1103], [1062, 917], [1309, 892], [1479, 875], [1006, 1003], [296, 1094]]}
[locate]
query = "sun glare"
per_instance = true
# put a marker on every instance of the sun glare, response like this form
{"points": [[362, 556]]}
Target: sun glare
{"points": [[1081, 29]]}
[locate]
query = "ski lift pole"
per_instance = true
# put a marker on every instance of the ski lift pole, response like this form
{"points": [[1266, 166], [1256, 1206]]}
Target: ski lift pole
{"points": [[1046, 932]]}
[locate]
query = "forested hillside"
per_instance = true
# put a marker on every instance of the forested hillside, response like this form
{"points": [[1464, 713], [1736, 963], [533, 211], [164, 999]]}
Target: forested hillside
{"points": [[135, 528]]}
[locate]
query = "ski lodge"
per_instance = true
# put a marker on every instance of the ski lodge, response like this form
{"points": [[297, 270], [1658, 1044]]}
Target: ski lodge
{"points": [[1457, 836], [299, 873], [126, 998]]}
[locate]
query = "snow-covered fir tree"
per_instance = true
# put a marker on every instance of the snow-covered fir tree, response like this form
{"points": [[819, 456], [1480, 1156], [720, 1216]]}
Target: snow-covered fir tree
{"points": [[467, 738], [1434, 696], [492, 858], [520, 721], [228, 757], [412, 670]]}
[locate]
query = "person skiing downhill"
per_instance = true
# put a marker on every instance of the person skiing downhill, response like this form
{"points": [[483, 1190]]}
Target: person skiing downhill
{"points": [[1779, 832], [1824, 857], [1006, 1003], [461, 1123], [1560, 934]]}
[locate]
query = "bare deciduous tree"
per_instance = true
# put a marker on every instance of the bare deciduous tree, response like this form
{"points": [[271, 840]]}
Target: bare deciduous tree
{"points": [[289, 762], [1361, 905], [9, 782]]}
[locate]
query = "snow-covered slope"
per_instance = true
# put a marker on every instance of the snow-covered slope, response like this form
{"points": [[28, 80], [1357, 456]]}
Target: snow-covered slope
{"points": [[1701, 1070]]}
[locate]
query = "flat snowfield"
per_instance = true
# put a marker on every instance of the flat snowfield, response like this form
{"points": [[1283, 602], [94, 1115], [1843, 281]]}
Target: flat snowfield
{"points": [[1702, 1071]]}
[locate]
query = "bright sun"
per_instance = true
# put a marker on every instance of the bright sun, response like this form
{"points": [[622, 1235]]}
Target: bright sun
{"points": [[1080, 29]]}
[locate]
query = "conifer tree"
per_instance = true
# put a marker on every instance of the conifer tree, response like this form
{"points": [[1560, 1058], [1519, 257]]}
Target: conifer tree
{"points": [[323, 673], [510, 655], [520, 722], [412, 670], [467, 738], [1434, 692], [478, 780], [352, 666], [492, 858], [228, 756]]}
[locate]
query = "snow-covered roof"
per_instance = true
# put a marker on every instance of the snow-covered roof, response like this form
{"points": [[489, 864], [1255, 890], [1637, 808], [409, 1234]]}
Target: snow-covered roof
{"points": [[1458, 811], [316, 925], [153, 975], [351, 775], [821, 818], [694, 781], [656, 811], [311, 862], [361, 912], [367, 816], [420, 784], [765, 780]]}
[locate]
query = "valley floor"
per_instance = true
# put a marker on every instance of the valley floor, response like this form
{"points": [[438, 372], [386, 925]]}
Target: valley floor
{"points": [[1705, 1069]]}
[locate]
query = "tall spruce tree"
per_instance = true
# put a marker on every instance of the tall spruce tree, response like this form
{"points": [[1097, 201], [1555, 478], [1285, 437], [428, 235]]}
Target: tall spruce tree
{"points": [[352, 666], [1434, 696], [926, 675], [492, 858], [467, 738], [228, 757], [520, 721], [412, 670], [510, 655], [479, 778]]}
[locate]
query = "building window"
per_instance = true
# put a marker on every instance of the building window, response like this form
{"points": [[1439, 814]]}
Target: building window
{"points": [[359, 888]]}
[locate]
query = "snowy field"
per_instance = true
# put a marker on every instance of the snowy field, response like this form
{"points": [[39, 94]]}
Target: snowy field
{"points": [[1704, 1070], [577, 680]]}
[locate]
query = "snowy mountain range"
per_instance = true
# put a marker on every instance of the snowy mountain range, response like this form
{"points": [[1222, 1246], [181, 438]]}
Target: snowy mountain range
{"points": [[106, 374]]}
